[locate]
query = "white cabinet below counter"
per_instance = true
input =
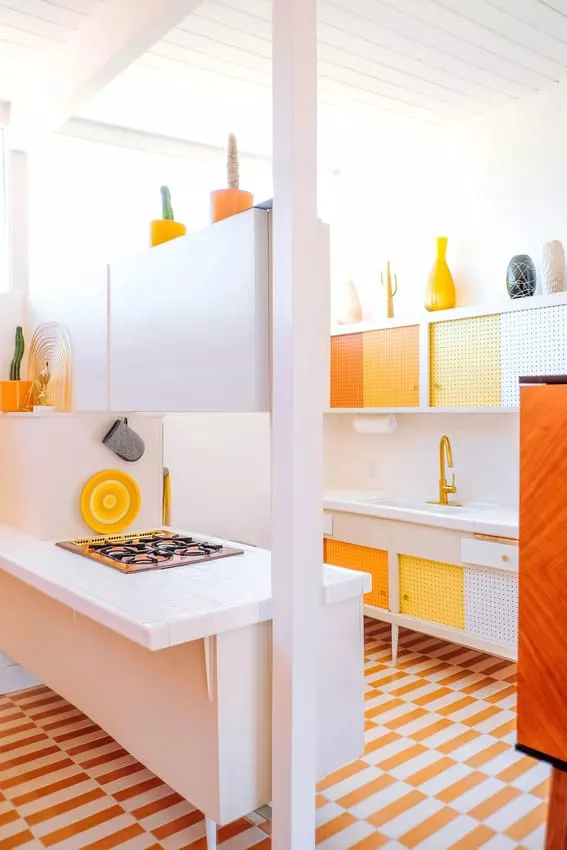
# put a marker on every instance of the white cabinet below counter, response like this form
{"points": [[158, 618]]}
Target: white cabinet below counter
{"points": [[448, 584]]}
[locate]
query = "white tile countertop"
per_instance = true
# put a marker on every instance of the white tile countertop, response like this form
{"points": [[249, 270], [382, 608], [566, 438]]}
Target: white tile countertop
{"points": [[477, 518], [161, 608]]}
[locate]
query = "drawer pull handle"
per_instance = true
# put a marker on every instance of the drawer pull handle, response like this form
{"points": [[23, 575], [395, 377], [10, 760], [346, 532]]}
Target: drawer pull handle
{"points": [[506, 558]]}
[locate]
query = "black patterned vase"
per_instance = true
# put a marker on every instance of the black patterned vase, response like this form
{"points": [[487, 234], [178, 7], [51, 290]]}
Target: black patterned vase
{"points": [[521, 276]]}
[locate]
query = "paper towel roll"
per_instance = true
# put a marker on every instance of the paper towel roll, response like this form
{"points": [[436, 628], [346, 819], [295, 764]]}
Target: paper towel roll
{"points": [[381, 424]]}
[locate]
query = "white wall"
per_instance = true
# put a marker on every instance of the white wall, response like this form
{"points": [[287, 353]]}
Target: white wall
{"points": [[496, 186], [406, 463], [220, 474], [509, 190]]}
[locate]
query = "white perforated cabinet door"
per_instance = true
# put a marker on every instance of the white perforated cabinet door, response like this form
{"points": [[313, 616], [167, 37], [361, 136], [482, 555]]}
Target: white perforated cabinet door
{"points": [[491, 605]]}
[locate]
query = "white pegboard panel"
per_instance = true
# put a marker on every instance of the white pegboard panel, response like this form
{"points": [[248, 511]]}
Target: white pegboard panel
{"points": [[533, 342], [491, 605]]}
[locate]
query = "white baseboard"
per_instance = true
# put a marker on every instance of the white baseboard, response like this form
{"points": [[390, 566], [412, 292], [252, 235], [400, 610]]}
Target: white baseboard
{"points": [[13, 677]]}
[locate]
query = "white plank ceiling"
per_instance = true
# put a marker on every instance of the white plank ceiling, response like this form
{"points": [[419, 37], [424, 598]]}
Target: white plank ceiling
{"points": [[426, 62], [31, 31], [430, 63]]}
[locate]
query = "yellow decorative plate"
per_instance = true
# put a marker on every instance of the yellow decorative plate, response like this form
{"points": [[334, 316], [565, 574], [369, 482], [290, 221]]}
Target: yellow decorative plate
{"points": [[110, 501]]}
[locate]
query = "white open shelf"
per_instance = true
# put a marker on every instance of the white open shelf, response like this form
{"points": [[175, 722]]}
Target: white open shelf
{"points": [[422, 317], [383, 411]]}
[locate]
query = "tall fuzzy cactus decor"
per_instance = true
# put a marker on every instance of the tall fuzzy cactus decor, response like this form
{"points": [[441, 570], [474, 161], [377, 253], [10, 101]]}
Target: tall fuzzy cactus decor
{"points": [[15, 366], [166, 208], [233, 166], [233, 199]]}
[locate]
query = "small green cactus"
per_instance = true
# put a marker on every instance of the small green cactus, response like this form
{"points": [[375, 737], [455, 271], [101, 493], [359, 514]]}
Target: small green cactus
{"points": [[18, 355], [166, 208]]}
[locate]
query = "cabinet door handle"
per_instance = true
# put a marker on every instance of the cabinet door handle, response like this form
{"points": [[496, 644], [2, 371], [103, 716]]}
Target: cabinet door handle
{"points": [[506, 558]]}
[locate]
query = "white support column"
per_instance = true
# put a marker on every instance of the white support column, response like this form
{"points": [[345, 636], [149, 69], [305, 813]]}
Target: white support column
{"points": [[300, 340]]}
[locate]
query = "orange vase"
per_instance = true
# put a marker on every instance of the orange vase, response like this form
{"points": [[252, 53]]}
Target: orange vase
{"points": [[440, 293], [227, 202], [164, 229]]}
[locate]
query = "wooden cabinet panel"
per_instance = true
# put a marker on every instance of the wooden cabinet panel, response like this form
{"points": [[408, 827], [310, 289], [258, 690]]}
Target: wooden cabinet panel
{"points": [[465, 362], [542, 659], [365, 559], [391, 367], [346, 371], [432, 591], [533, 342]]}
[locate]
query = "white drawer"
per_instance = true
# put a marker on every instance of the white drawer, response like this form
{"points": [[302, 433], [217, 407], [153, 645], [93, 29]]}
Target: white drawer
{"points": [[327, 523], [485, 553]]}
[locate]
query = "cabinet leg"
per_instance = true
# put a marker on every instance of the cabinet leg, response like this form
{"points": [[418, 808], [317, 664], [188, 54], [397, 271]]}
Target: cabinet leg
{"points": [[556, 833], [395, 637], [211, 833]]}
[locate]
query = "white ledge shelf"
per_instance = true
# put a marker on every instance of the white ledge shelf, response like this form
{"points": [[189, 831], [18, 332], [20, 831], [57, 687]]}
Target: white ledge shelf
{"points": [[422, 317], [383, 411]]}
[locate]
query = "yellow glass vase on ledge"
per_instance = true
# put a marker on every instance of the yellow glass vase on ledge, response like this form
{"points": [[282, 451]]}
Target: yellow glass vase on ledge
{"points": [[440, 293]]}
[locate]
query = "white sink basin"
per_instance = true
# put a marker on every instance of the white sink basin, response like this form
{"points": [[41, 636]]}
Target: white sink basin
{"points": [[404, 503]]}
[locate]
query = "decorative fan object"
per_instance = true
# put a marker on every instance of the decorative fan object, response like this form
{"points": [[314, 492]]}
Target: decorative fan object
{"points": [[51, 346], [110, 501]]}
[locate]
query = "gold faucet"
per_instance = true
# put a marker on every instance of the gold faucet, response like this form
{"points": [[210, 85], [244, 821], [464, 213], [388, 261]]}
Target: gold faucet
{"points": [[445, 489]]}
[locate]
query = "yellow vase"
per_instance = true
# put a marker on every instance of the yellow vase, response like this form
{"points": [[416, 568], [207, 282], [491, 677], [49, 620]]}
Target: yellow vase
{"points": [[440, 293]]}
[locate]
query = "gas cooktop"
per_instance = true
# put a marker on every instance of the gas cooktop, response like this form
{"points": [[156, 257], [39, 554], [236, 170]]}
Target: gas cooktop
{"points": [[150, 550]]}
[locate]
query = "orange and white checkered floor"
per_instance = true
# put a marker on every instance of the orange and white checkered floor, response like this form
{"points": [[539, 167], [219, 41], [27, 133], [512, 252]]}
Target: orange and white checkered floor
{"points": [[439, 770]]}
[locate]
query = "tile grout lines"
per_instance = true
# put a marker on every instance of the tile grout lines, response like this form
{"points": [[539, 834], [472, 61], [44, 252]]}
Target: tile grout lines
{"points": [[439, 771]]}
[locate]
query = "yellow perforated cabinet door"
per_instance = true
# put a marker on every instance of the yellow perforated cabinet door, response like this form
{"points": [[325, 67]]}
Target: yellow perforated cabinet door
{"points": [[465, 365], [432, 591], [391, 367], [365, 559]]}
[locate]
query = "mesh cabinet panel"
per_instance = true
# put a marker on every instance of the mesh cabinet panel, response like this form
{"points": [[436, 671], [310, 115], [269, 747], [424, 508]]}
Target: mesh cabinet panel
{"points": [[346, 370], [491, 604], [391, 367], [432, 591], [365, 559], [534, 342], [465, 362]]}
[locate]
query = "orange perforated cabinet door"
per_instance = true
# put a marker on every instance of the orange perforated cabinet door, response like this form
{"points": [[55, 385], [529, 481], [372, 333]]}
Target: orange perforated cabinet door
{"points": [[542, 662], [346, 371], [364, 559]]}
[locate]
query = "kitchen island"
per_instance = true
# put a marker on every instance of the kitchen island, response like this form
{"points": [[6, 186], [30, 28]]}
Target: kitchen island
{"points": [[176, 665]]}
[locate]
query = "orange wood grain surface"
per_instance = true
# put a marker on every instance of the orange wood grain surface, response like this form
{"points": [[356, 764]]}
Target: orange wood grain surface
{"points": [[542, 661], [346, 371], [556, 834]]}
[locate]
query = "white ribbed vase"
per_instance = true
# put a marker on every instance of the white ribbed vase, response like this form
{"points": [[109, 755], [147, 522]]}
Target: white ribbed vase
{"points": [[553, 267]]}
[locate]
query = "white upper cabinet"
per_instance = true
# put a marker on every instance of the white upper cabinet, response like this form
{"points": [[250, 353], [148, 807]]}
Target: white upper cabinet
{"points": [[82, 306], [188, 322]]}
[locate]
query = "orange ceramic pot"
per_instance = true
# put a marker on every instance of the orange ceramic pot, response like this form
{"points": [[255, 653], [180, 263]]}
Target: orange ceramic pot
{"points": [[164, 229], [15, 396], [227, 202]]}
